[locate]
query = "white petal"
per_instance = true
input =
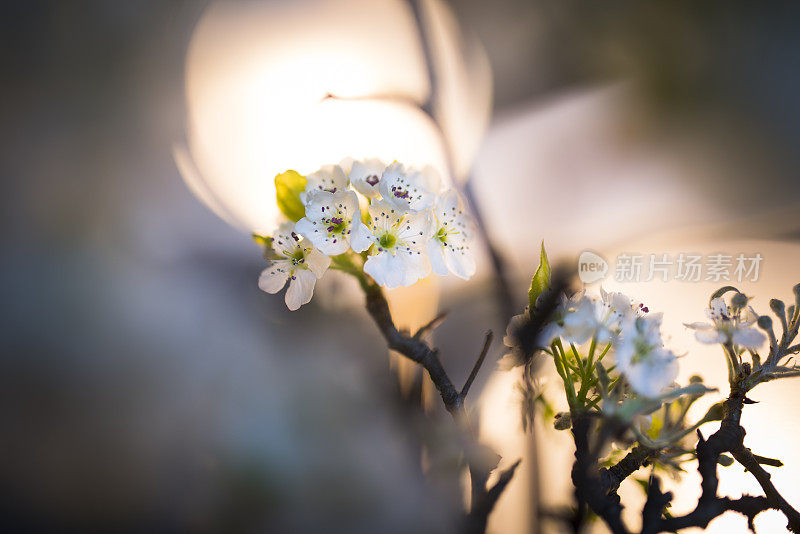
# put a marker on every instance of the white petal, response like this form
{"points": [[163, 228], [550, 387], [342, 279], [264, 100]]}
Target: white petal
{"points": [[408, 189], [301, 288], [448, 206], [433, 180], [460, 262], [378, 267], [624, 350], [361, 171], [651, 377], [384, 215], [347, 202], [332, 245], [717, 308], [436, 254], [307, 229], [549, 334], [361, 238], [284, 239], [699, 326], [416, 266], [328, 178], [749, 338], [415, 229], [710, 337], [273, 278], [323, 205], [317, 262]]}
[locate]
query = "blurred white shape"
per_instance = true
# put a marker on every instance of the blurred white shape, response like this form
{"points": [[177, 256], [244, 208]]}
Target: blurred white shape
{"points": [[258, 78], [574, 173]]}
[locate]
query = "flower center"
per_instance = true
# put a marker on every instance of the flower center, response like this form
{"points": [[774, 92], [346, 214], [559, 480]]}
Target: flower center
{"points": [[387, 240], [441, 235], [336, 225], [372, 180], [399, 192], [298, 257]]}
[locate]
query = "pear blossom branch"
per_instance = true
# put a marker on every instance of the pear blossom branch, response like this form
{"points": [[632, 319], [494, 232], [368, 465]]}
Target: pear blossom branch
{"points": [[595, 487], [612, 477], [416, 350]]}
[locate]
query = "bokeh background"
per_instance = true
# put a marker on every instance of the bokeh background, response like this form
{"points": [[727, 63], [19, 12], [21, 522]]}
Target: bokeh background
{"points": [[146, 385]]}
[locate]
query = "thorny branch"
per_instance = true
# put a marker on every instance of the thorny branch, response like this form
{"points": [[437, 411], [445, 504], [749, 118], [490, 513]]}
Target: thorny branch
{"points": [[417, 350]]}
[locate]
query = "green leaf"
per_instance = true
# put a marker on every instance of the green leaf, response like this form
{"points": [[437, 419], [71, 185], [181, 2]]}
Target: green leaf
{"points": [[541, 280], [288, 186]]}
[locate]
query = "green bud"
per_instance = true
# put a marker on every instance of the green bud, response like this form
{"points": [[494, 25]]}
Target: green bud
{"points": [[725, 460], [562, 421], [739, 300], [696, 379], [765, 322], [777, 306], [288, 186]]}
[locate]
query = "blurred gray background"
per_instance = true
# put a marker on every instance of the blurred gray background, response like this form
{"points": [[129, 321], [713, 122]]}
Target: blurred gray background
{"points": [[146, 385]]}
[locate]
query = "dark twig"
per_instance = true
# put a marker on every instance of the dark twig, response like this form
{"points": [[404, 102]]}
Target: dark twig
{"points": [[416, 350], [763, 460], [476, 519], [477, 366], [612, 477], [430, 326], [752, 464]]}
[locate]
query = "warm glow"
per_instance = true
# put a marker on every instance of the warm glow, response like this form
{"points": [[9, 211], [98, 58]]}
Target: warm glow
{"points": [[258, 77]]}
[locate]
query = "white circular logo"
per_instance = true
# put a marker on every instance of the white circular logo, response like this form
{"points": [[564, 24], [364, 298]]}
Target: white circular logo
{"points": [[591, 267]]}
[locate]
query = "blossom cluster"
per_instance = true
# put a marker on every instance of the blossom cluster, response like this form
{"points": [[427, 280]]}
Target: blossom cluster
{"points": [[616, 325], [400, 220]]}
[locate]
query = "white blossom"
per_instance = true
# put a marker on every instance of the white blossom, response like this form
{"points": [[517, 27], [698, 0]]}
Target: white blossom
{"points": [[329, 178], [729, 325], [580, 321], [365, 176], [409, 189], [641, 357], [329, 220], [449, 248], [396, 241], [293, 258], [601, 319]]}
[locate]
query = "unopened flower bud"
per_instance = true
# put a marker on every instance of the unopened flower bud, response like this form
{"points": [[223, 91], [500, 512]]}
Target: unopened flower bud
{"points": [[562, 421], [739, 300], [765, 322], [725, 460], [777, 306]]}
